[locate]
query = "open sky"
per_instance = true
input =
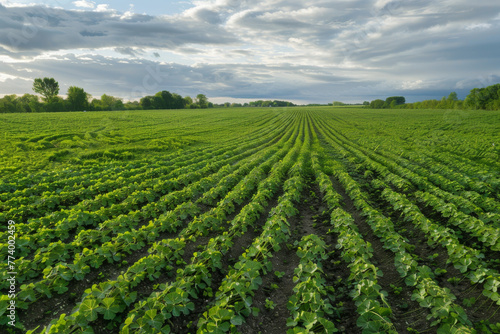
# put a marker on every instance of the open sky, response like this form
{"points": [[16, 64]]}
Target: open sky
{"points": [[306, 51]]}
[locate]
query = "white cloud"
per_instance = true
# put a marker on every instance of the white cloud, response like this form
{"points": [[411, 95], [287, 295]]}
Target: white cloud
{"points": [[4, 77], [128, 14], [298, 41], [84, 4], [103, 8], [8, 3], [411, 85], [478, 26]]}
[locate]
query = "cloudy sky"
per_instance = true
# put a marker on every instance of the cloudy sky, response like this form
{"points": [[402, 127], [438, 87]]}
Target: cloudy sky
{"points": [[304, 51]]}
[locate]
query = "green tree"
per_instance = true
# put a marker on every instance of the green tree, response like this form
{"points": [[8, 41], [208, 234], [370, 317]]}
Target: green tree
{"points": [[201, 101], [56, 104], [484, 98], [8, 104], [158, 102], [78, 99], [188, 102], [453, 97], [47, 87], [167, 100], [398, 99], [132, 105], [111, 103], [31, 103], [147, 102], [178, 101], [377, 104]]}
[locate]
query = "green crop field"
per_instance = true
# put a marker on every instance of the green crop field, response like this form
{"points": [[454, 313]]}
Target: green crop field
{"points": [[250, 220]]}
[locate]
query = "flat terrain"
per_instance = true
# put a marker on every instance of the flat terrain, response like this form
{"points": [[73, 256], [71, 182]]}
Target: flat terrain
{"points": [[251, 220]]}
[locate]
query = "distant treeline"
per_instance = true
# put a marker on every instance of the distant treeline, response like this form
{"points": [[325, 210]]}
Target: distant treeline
{"points": [[79, 100], [487, 98], [258, 103], [390, 102], [32, 103]]}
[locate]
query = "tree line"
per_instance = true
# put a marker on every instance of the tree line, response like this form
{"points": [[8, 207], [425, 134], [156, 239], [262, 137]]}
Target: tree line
{"points": [[79, 100], [390, 102], [487, 98], [258, 103]]}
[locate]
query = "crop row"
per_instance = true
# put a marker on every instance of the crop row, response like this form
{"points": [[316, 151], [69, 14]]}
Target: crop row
{"points": [[199, 226]]}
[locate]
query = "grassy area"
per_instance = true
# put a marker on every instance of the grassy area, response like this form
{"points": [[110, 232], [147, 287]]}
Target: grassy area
{"points": [[31, 142]]}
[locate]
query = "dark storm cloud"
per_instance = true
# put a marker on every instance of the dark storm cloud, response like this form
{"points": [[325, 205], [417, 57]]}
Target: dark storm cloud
{"points": [[129, 51]]}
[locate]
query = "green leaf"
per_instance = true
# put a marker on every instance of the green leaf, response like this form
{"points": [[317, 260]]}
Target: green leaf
{"points": [[255, 311], [129, 299], [237, 320], [153, 319], [89, 308], [110, 308], [225, 326]]}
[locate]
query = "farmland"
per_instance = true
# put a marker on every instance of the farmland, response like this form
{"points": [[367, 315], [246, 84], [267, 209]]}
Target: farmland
{"points": [[272, 220]]}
